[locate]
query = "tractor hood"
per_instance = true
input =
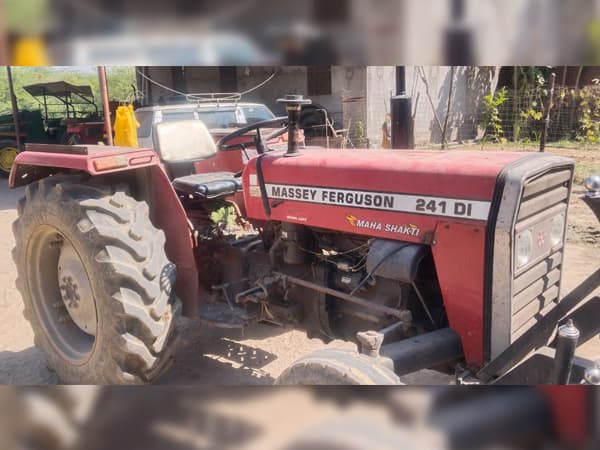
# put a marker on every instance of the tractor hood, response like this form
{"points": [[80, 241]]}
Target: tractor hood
{"points": [[374, 188], [427, 172]]}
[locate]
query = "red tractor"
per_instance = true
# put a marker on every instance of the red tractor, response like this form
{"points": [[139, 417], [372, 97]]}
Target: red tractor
{"points": [[449, 260]]}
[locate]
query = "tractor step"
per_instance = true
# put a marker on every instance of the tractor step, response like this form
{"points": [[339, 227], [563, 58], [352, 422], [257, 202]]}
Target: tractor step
{"points": [[222, 315]]}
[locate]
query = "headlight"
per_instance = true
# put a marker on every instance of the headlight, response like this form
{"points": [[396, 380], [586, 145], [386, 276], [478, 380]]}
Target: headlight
{"points": [[556, 230], [524, 248]]}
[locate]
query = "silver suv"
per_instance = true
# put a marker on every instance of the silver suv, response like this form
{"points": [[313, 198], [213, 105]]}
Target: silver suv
{"points": [[220, 116]]}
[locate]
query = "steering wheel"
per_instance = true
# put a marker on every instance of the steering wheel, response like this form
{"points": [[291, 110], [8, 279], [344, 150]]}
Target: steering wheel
{"points": [[259, 142]]}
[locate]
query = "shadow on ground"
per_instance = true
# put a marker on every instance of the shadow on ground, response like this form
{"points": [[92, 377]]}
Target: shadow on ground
{"points": [[12, 366], [209, 356], [204, 356]]}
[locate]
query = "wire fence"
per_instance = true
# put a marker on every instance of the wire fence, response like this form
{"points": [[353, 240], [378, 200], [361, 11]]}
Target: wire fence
{"points": [[520, 118], [574, 116]]}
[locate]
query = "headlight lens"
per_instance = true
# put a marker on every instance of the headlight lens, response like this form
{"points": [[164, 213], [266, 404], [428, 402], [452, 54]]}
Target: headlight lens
{"points": [[556, 231], [524, 248]]}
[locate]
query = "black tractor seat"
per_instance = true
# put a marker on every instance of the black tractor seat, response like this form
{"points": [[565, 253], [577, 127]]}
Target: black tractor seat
{"points": [[208, 185]]}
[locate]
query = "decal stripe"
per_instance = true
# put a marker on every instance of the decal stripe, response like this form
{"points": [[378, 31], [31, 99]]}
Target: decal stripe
{"points": [[384, 201]]}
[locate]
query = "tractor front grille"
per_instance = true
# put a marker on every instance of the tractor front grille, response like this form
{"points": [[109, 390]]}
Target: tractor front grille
{"points": [[536, 285]]}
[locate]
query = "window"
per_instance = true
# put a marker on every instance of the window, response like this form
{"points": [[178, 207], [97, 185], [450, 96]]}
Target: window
{"points": [[219, 118], [318, 80], [255, 114], [179, 115], [145, 120]]}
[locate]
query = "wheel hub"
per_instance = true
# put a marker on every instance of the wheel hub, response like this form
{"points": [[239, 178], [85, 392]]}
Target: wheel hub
{"points": [[76, 290], [7, 157]]}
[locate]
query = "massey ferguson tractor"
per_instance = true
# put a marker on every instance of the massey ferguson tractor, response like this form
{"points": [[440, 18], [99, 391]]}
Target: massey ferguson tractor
{"points": [[449, 260]]}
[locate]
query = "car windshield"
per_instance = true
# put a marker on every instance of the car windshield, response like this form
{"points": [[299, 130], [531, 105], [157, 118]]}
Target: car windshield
{"points": [[172, 116], [220, 118], [257, 113]]}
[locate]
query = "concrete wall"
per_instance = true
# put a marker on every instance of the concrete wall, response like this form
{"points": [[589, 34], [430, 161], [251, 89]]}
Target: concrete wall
{"points": [[470, 85]]}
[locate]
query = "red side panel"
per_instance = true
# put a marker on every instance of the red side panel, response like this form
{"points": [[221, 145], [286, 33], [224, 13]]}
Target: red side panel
{"points": [[458, 252], [169, 215]]}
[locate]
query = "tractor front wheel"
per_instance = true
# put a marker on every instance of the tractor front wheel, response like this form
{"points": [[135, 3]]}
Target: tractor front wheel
{"points": [[95, 282], [337, 367], [8, 152]]}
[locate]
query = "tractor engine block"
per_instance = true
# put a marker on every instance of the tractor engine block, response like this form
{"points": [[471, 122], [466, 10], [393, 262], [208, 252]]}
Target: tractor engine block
{"points": [[383, 275]]}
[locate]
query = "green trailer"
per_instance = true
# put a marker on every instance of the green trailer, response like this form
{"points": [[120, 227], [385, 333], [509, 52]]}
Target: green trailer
{"points": [[68, 115], [31, 127]]}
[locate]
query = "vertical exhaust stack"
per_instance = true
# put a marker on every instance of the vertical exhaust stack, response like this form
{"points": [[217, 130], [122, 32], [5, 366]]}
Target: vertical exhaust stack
{"points": [[401, 107], [293, 105]]}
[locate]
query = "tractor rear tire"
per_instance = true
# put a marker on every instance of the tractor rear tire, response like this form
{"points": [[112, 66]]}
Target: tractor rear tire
{"points": [[337, 367], [78, 241], [8, 152]]}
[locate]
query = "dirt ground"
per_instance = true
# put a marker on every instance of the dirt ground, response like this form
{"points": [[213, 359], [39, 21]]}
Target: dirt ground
{"points": [[257, 356]]}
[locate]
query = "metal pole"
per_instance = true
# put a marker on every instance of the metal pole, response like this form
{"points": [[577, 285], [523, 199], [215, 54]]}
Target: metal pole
{"points": [[105, 107], [547, 113], [15, 109], [566, 344], [400, 80], [293, 106]]}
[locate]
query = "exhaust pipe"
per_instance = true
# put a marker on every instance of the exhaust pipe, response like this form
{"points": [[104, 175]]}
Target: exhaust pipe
{"points": [[293, 105]]}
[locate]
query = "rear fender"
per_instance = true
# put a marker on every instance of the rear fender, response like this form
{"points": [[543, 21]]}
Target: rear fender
{"points": [[140, 169], [168, 214], [39, 161]]}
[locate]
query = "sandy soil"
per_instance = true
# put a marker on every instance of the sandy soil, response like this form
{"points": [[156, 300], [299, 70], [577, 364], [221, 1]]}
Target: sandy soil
{"points": [[258, 355]]}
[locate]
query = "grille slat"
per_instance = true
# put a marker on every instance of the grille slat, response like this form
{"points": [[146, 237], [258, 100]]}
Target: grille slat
{"points": [[545, 183], [537, 272], [536, 288], [531, 322], [543, 201], [534, 306], [547, 213]]}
